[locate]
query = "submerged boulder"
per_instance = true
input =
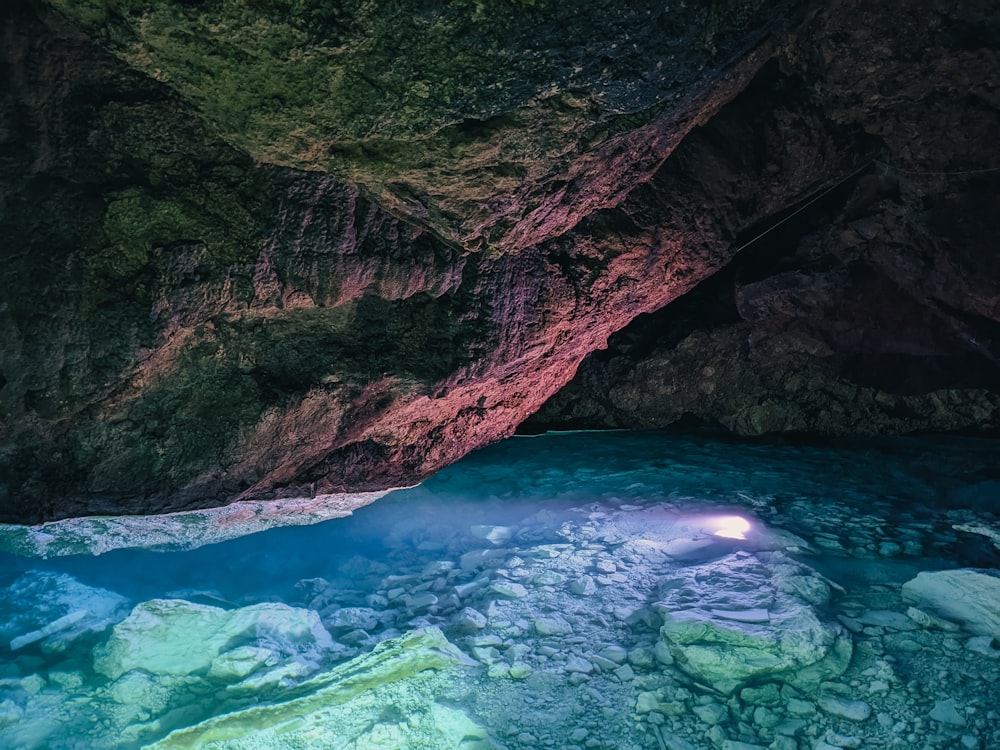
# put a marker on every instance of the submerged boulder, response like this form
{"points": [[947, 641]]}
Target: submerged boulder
{"points": [[748, 617], [970, 596], [177, 637], [383, 699], [54, 609]]}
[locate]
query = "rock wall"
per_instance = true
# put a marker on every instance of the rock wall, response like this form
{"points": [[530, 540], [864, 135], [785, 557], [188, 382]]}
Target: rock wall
{"points": [[254, 253], [867, 305]]}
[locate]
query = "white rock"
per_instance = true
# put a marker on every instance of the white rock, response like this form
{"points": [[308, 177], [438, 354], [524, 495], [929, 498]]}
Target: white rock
{"points": [[985, 645], [420, 601], [614, 653], [492, 534], [55, 609], [844, 708], [32, 684], [799, 707], [555, 625], [63, 623], [947, 713], [927, 620], [351, 618], [887, 619], [844, 741], [625, 673], [10, 713], [583, 586], [506, 590], [576, 664], [239, 662], [711, 714], [172, 636], [969, 596], [470, 620]]}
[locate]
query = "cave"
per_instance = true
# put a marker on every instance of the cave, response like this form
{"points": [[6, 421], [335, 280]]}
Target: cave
{"points": [[499, 375]]}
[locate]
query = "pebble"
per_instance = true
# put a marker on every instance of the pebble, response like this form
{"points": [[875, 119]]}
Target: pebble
{"points": [[492, 534], [576, 664], [470, 620], [711, 714], [641, 658], [508, 590], [615, 653], [583, 586], [844, 741], [519, 670], [765, 695], [545, 626], [625, 673], [946, 712], [797, 707], [844, 708]]}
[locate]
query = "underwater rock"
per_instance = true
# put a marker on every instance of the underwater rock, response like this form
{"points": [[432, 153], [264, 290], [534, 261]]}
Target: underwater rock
{"points": [[348, 706], [700, 605], [972, 597], [844, 708], [176, 637], [54, 609]]}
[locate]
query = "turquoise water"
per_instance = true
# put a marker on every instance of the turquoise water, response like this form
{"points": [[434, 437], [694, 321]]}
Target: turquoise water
{"points": [[547, 568]]}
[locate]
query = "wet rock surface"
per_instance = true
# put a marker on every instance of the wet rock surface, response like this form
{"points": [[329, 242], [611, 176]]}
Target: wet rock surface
{"points": [[213, 300], [532, 600]]}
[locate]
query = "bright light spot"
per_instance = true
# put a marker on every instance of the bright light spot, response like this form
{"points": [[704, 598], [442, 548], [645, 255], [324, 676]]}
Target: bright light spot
{"points": [[730, 527]]}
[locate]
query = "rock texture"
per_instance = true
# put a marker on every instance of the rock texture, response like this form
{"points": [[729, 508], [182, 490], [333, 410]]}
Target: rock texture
{"points": [[259, 252], [871, 308]]}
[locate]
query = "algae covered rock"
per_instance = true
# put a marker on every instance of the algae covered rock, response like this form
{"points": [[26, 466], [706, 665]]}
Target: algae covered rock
{"points": [[177, 637], [747, 617], [384, 699]]}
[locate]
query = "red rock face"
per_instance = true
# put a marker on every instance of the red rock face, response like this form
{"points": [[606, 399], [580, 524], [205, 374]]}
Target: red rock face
{"points": [[191, 328]]}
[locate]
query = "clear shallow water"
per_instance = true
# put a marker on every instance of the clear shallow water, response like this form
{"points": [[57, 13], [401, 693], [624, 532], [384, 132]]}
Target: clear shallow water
{"points": [[550, 564]]}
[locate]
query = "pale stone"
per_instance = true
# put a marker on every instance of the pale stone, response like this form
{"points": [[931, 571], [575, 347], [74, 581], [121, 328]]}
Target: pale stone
{"points": [[642, 658], [986, 645], [420, 601], [969, 596], [798, 707], [844, 708], [32, 684], [646, 701], [711, 714], [887, 619], [927, 620], [946, 712], [576, 664], [506, 590], [10, 713], [63, 623], [546, 626], [583, 586], [492, 534], [615, 653], [239, 662], [470, 620], [352, 618], [625, 673], [172, 636], [764, 695], [519, 670]]}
